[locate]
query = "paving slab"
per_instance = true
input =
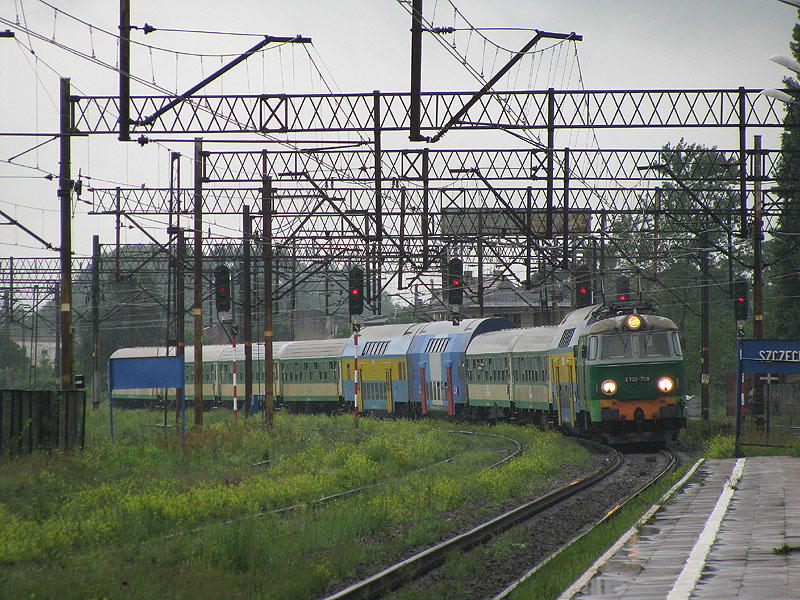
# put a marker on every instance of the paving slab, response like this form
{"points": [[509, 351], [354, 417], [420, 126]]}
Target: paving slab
{"points": [[715, 538]]}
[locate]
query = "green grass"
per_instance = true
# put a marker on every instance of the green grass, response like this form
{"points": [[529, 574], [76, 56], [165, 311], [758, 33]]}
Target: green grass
{"points": [[716, 439], [149, 517], [785, 549]]}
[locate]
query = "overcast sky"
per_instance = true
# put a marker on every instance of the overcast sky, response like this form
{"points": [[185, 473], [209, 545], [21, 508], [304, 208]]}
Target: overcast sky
{"points": [[359, 46]]}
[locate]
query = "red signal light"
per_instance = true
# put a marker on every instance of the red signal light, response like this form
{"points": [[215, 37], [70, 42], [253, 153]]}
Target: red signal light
{"points": [[623, 297], [356, 287]]}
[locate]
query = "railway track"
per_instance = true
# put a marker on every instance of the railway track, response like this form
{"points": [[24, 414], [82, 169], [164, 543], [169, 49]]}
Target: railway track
{"points": [[670, 463], [417, 565]]}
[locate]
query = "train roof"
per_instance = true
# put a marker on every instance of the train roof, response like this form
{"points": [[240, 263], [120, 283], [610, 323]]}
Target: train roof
{"points": [[383, 340], [142, 351], [278, 349], [493, 342], [211, 352], [580, 314], [535, 339], [473, 326], [309, 349], [393, 330]]}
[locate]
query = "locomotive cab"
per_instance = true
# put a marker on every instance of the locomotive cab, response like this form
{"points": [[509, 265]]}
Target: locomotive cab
{"points": [[631, 375]]}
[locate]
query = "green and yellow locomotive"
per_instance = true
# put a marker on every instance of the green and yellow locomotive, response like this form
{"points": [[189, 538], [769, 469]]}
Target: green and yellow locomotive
{"points": [[629, 374]]}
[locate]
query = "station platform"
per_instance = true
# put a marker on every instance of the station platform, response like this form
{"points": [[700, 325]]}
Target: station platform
{"points": [[716, 537]]}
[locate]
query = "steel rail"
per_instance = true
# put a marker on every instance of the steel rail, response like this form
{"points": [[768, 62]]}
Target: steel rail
{"points": [[424, 561], [672, 461]]}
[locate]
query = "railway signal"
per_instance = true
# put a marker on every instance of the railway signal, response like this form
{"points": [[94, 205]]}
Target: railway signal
{"points": [[222, 288], [455, 281], [740, 300], [624, 288], [355, 291], [583, 288]]}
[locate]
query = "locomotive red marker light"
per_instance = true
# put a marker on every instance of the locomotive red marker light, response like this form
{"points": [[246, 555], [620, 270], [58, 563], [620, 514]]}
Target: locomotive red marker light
{"points": [[665, 384], [633, 322], [609, 387]]}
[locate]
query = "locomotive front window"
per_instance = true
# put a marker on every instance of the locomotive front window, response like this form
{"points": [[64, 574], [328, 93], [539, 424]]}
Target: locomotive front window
{"points": [[676, 343], [592, 351], [616, 346], [654, 344]]}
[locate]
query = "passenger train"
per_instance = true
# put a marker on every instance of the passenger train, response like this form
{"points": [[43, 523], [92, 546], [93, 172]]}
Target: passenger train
{"points": [[612, 371]]}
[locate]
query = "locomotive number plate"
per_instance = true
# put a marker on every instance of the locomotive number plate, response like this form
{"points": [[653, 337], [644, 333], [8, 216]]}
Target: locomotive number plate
{"points": [[637, 379]]}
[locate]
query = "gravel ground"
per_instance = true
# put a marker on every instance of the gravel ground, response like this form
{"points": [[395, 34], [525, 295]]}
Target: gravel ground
{"points": [[538, 538]]}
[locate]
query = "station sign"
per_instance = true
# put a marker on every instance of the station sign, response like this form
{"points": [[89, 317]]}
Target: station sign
{"points": [[519, 222], [769, 356]]}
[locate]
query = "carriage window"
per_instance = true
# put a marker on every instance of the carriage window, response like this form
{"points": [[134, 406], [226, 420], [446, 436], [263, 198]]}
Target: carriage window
{"points": [[654, 344], [617, 346]]}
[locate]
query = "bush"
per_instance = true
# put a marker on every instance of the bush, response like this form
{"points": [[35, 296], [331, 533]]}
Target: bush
{"points": [[696, 434], [720, 446]]}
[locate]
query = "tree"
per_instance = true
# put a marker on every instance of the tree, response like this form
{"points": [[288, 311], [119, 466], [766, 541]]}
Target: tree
{"points": [[15, 364], [787, 238], [698, 194]]}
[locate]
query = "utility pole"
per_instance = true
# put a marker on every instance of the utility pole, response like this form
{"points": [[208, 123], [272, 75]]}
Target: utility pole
{"points": [[758, 304], [65, 197], [246, 309], [124, 70], [378, 250], [415, 109], [197, 308], [95, 322], [656, 217], [266, 213], [7, 336], [180, 341], [9, 318], [704, 326]]}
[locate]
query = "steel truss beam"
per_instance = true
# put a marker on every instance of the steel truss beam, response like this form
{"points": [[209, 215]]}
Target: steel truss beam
{"points": [[331, 113]]}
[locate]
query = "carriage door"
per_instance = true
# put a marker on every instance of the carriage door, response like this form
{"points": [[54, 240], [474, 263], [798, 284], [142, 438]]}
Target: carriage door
{"points": [[573, 388], [389, 399], [563, 380]]}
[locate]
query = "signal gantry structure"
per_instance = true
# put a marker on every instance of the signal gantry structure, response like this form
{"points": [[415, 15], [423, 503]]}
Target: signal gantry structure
{"points": [[504, 194]]}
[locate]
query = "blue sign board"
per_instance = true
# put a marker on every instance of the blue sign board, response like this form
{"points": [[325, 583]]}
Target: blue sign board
{"points": [[146, 372], [770, 356], [763, 356]]}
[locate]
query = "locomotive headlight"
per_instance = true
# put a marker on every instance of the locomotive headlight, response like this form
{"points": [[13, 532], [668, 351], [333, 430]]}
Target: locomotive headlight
{"points": [[665, 384], [609, 387], [633, 322]]}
